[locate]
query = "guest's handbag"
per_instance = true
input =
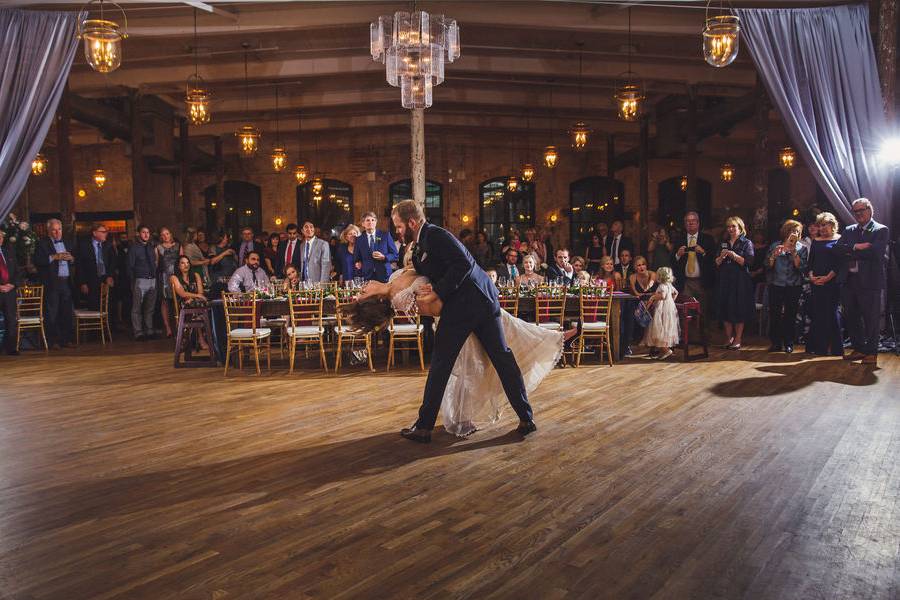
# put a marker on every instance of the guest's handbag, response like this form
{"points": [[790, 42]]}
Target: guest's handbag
{"points": [[642, 315]]}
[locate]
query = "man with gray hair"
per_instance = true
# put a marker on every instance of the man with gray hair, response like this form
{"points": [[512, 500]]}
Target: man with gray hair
{"points": [[55, 264], [864, 275]]}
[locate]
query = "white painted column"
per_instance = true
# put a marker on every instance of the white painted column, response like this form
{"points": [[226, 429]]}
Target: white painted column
{"points": [[417, 153]]}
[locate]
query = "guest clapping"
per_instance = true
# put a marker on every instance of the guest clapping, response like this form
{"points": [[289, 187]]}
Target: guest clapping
{"points": [[735, 294], [786, 261]]}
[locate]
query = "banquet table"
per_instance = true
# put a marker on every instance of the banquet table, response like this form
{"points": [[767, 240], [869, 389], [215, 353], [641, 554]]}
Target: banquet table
{"points": [[278, 308]]}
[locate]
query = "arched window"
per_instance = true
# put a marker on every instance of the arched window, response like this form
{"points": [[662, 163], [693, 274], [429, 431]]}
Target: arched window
{"points": [[331, 210], [243, 208], [499, 209], [673, 202], [434, 198], [592, 200]]}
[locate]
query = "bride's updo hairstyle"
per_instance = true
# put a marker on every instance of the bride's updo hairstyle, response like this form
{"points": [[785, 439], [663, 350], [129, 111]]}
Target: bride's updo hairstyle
{"points": [[369, 314]]}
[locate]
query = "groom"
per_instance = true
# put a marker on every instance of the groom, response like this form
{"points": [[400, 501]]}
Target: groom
{"points": [[470, 305]]}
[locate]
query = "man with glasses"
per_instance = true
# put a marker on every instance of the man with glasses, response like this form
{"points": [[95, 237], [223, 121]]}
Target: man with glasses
{"points": [[864, 248], [94, 266], [55, 264]]}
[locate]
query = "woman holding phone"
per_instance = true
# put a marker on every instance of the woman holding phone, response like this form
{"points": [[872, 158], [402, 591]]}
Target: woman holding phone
{"points": [[786, 261]]}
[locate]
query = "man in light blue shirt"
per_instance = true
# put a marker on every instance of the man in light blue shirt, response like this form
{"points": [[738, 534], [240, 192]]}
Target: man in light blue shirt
{"points": [[53, 260]]}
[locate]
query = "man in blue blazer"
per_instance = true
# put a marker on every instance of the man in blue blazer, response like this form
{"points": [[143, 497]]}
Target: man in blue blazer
{"points": [[470, 306], [864, 276], [375, 250]]}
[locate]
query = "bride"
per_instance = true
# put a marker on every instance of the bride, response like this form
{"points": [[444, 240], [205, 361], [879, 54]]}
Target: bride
{"points": [[474, 394]]}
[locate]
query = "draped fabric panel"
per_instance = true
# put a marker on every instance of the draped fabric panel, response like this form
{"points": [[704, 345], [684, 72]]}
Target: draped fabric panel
{"points": [[819, 67], [36, 52]]}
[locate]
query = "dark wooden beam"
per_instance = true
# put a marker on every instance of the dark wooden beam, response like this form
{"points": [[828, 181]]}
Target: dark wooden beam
{"points": [[610, 155]]}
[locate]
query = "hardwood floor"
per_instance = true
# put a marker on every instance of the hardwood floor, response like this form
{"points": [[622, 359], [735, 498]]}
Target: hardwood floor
{"points": [[768, 476]]}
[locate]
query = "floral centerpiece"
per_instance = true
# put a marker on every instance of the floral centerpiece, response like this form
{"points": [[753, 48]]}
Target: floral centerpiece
{"points": [[21, 237]]}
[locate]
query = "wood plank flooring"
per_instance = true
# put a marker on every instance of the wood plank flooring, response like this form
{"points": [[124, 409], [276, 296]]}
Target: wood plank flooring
{"points": [[767, 476]]}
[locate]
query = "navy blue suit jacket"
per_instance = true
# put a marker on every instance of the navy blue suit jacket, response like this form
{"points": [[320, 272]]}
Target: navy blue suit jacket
{"points": [[456, 278], [872, 261], [379, 270]]}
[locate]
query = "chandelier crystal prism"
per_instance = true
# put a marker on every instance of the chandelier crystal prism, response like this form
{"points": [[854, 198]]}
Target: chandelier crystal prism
{"points": [[414, 47]]}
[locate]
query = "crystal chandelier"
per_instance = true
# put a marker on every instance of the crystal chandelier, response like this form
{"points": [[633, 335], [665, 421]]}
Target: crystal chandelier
{"points": [[527, 172], [248, 135], [197, 96], [629, 94], [788, 157], [413, 48], [279, 154], [512, 184], [39, 165], [551, 157], [99, 178], [721, 36], [103, 40], [579, 130], [727, 173]]}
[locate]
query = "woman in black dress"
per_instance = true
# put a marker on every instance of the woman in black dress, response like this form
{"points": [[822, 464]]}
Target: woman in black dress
{"points": [[825, 336], [734, 299], [594, 253]]}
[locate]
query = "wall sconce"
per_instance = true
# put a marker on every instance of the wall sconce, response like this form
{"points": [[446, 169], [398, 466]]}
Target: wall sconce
{"points": [[465, 218], [278, 221]]}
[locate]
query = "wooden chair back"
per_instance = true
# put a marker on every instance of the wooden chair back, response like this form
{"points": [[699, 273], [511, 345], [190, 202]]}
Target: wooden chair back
{"points": [[30, 301], [240, 311], [596, 304], [509, 299], [550, 304], [306, 307]]}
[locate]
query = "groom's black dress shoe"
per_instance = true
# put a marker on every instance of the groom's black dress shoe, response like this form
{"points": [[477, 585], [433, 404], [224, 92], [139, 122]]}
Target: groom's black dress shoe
{"points": [[416, 435], [526, 428]]}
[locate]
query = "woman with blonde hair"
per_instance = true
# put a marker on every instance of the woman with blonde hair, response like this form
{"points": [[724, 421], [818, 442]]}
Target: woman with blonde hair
{"points": [[528, 276], [786, 261], [609, 274], [825, 337], [734, 299], [344, 265], [582, 276]]}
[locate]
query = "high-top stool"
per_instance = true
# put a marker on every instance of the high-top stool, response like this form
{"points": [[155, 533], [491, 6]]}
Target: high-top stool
{"points": [[190, 320], [689, 312]]}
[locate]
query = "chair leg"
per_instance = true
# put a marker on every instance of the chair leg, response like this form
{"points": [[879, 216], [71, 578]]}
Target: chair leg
{"points": [[240, 351], [421, 353], [369, 352], [609, 355], [390, 359], [77, 331], [579, 351], [108, 329], [269, 354], [256, 356], [227, 358], [291, 352], [337, 355], [322, 354]]}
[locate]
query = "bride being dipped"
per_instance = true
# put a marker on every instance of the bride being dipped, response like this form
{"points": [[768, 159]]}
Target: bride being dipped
{"points": [[474, 392]]}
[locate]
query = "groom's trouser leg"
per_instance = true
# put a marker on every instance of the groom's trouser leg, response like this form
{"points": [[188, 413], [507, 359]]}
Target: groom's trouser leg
{"points": [[448, 341], [490, 333]]}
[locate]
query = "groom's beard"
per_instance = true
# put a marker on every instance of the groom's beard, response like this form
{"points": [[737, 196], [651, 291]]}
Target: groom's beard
{"points": [[408, 235]]}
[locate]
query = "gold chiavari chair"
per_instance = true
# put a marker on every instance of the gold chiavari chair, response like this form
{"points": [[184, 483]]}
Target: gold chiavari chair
{"points": [[509, 299], [30, 311], [241, 322], [95, 320], [343, 297], [306, 323], [596, 304], [405, 331], [550, 308]]}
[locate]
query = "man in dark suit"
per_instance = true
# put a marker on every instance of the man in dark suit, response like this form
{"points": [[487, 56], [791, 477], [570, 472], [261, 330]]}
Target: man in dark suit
{"points": [[94, 265], [616, 241], [695, 263], [9, 275], [510, 269], [245, 245], [864, 275], [468, 304], [561, 268], [289, 251], [55, 263], [374, 251]]}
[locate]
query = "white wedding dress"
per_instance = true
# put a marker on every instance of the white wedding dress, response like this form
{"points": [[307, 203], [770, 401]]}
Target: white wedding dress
{"points": [[474, 395]]}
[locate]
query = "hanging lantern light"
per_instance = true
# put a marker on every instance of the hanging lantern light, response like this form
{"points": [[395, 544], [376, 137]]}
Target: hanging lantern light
{"points": [[99, 178], [39, 165], [629, 94], [551, 157], [317, 186], [317, 198], [527, 172], [579, 133], [248, 135], [103, 40], [512, 184], [197, 96], [727, 173], [279, 158], [684, 183], [721, 37], [788, 157], [300, 174]]}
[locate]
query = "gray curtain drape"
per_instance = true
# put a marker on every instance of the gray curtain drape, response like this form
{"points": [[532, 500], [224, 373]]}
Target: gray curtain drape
{"points": [[36, 53], [819, 67]]}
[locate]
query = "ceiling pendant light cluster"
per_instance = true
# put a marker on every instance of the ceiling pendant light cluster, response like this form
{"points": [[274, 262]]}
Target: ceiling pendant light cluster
{"points": [[279, 154], [551, 154], [580, 131], [787, 157], [197, 96], [99, 178], [629, 94], [248, 135], [721, 38], [103, 40], [39, 165], [414, 46]]}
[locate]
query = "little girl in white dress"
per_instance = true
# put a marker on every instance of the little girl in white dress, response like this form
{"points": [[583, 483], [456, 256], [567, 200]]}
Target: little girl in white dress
{"points": [[662, 333]]}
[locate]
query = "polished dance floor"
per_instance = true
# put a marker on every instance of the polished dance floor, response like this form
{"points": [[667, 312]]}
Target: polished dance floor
{"points": [[766, 476]]}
